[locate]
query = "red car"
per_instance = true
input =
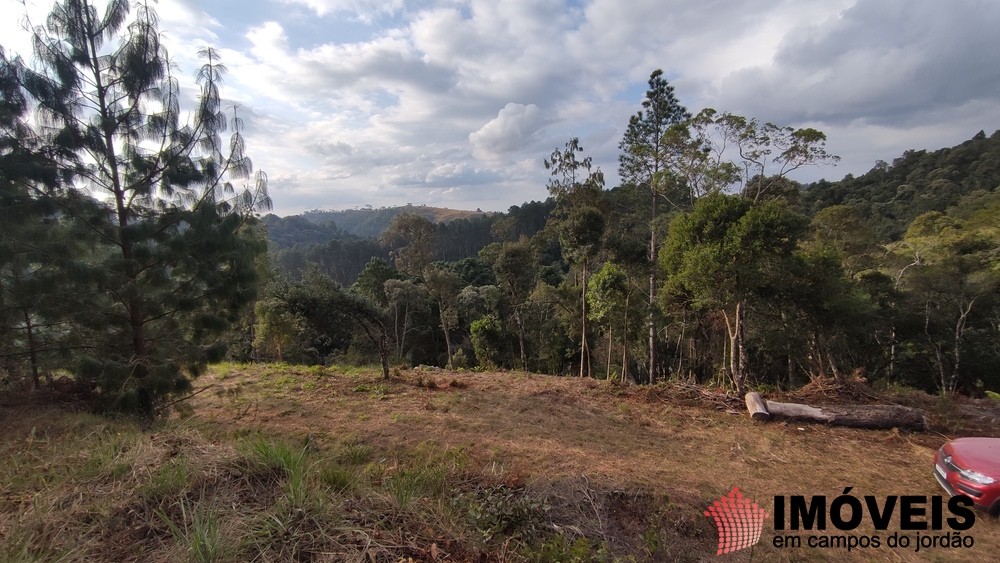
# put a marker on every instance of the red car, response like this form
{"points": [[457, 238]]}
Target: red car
{"points": [[971, 466]]}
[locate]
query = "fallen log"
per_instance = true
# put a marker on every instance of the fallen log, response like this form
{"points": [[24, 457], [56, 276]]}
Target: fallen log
{"points": [[854, 416]]}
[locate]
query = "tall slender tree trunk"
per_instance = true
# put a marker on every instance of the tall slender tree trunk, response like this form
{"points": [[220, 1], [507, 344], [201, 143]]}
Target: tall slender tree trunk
{"points": [[963, 316], [737, 347], [625, 338], [650, 320], [938, 356], [134, 304], [583, 320], [383, 351], [607, 372], [519, 319], [444, 328], [680, 348], [892, 349], [407, 318], [32, 351], [395, 330]]}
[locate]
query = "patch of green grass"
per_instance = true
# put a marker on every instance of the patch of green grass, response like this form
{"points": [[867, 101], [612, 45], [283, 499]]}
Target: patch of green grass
{"points": [[563, 549], [351, 370], [316, 371], [197, 531], [297, 490], [111, 457], [375, 391], [405, 485], [224, 370], [502, 511], [424, 474], [337, 477], [169, 480], [283, 382], [355, 454], [273, 455], [24, 544]]}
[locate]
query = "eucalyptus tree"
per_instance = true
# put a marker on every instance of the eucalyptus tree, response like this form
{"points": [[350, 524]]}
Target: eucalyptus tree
{"points": [[713, 152], [641, 163], [953, 288], [516, 268], [727, 255], [609, 292], [579, 220], [171, 199], [412, 241], [443, 286], [405, 298]]}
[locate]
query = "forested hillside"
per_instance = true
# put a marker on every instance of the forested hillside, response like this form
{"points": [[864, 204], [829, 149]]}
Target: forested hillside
{"points": [[704, 265], [340, 243], [369, 222], [890, 196]]}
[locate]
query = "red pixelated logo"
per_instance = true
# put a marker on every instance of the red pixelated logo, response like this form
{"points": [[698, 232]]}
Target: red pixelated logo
{"points": [[739, 521]]}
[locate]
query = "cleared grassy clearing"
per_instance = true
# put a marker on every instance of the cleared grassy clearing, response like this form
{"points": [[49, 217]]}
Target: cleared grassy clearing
{"points": [[277, 463]]}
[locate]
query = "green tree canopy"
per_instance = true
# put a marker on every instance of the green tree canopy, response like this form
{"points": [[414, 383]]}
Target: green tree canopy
{"points": [[173, 263]]}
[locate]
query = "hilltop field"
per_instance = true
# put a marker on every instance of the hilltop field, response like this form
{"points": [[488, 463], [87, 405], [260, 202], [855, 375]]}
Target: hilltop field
{"points": [[286, 463]]}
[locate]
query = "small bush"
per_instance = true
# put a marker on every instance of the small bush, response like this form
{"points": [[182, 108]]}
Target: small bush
{"points": [[561, 549], [459, 359], [501, 511]]}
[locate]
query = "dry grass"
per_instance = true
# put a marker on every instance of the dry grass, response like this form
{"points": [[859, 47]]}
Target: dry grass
{"points": [[281, 462]]}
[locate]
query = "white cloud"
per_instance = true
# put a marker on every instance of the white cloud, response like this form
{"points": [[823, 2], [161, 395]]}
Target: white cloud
{"points": [[363, 10], [182, 19], [351, 102], [884, 61], [511, 129]]}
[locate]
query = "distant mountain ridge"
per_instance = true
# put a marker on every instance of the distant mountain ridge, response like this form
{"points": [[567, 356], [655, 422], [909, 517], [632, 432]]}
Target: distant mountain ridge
{"points": [[371, 222]]}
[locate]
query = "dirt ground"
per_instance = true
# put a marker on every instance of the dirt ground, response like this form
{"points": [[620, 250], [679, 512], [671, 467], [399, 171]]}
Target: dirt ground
{"points": [[676, 442]]}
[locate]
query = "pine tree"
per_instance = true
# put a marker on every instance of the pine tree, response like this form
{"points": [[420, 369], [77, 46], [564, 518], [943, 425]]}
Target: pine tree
{"points": [[35, 244], [641, 163], [175, 260]]}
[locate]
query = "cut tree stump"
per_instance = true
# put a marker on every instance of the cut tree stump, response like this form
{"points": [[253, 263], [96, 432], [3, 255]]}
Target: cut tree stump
{"points": [[854, 416]]}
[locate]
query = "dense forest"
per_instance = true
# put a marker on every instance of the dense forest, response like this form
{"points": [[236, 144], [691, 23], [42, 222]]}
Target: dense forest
{"points": [[134, 251], [892, 275]]}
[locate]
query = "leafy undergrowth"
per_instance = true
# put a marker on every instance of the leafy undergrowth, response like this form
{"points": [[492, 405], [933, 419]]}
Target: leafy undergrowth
{"points": [[284, 463]]}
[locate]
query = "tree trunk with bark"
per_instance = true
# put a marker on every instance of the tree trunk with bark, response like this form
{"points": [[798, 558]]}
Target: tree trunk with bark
{"points": [[854, 416]]}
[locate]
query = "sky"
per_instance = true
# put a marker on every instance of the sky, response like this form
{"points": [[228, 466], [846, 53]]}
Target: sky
{"points": [[455, 103]]}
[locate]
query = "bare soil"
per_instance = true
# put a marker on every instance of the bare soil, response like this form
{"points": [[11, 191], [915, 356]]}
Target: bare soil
{"points": [[677, 442], [555, 468]]}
